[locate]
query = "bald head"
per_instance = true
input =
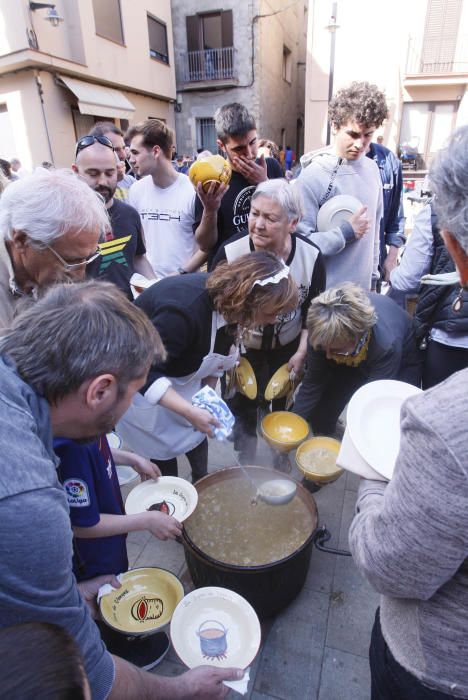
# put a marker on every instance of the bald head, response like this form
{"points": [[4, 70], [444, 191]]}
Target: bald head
{"points": [[97, 165]]}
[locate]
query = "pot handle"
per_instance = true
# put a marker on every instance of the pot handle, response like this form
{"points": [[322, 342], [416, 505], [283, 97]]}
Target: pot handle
{"points": [[322, 535]]}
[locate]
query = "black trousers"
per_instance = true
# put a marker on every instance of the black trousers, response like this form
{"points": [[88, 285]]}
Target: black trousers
{"points": [[389, 680], [264, 364], [440, 361], [198, 459]]}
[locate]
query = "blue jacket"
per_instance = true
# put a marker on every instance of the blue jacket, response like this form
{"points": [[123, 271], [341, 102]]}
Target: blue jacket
{"points": [[392, 228]]}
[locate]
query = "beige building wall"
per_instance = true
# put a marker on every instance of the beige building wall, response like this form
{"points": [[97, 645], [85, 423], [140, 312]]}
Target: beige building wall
{"points": [[371, 44], [45, 129]]}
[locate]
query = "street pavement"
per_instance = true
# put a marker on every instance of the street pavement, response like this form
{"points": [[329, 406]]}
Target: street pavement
{"points": [[317, 648]]}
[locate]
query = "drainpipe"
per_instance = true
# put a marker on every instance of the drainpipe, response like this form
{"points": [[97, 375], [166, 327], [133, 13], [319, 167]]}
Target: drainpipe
{"points": [[40, 92]]}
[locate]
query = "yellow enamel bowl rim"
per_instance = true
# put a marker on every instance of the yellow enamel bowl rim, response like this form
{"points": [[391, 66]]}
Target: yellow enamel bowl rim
{"points": [[107, 601], [242, 373], [320, 442], [277, 378], [284, 445]]}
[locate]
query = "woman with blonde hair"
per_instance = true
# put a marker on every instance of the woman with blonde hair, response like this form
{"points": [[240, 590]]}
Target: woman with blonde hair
{"points": [[355, 337], [201, 319]]}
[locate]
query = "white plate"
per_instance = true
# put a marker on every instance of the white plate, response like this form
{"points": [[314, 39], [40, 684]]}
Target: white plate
{"points": [[114, 440], [125, 474], [336, 210], [373, 419], [179, 495], [350, 459], [215, 626]]}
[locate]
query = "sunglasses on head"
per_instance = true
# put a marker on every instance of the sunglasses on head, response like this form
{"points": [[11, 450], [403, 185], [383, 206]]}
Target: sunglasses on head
{"points": [[86, 141]]}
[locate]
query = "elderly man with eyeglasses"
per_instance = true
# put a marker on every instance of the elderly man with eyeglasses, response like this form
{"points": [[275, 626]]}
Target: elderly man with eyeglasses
{"points": [[50, 226]]}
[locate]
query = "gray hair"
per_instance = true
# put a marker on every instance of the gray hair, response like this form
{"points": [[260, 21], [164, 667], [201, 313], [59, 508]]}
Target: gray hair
{"points": [[48, 204], [76, 332], [233, 119], [448, 176], [340, 314], [286, 195]]}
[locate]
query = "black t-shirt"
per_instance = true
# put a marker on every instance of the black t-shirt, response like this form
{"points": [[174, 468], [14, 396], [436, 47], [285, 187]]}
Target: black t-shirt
{"points": [[235, 206], [116, 264]]}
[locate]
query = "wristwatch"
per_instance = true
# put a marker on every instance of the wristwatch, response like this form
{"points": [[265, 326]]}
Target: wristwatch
{"points": [[181, 271]]}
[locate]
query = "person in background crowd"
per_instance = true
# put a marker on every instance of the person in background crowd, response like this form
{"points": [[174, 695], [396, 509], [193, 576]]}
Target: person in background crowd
{"points": [[275, 210], [40, 661], [5, 167], [164, 199], [288, 158], [123, 251], [50, 226], [17, 169], [124, 179], [409, 537], [392, 225], [441, 330], [193, 313], [223, 210], [355, 337], [351, 249], [69, 366]]}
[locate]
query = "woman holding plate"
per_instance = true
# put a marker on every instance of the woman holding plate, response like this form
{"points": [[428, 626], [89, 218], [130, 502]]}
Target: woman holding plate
{"points": [[201, 319], [275, 211]]}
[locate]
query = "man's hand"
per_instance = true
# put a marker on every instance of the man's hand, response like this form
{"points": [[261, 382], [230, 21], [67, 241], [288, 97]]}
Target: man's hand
{"points": [[360, 222], [253, 172], [211, 199], [89, 590], [391, 261], [206, 682], [202, 420], [162, 526]]}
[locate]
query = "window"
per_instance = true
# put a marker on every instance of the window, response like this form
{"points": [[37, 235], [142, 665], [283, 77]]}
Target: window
{"points": [[108, 20], [157, 40], [210, 50], [287, 64], [206, 135], [440, 35]]}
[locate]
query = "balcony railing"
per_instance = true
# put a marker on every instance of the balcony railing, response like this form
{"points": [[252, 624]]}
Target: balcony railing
{"points": [[436, 55], [211, 64]]}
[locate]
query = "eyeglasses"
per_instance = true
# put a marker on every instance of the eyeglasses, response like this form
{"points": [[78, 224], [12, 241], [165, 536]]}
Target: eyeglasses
{"points": [[357, 349], [75, 266], [86, 141]]}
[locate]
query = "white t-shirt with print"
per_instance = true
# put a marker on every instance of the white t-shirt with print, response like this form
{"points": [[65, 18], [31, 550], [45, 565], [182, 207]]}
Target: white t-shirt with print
{"points": [[167, 215]]}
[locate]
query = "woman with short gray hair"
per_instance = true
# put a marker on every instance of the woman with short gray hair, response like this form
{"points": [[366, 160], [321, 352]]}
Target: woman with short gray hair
{"points": [[275, 210], [355, 337]]}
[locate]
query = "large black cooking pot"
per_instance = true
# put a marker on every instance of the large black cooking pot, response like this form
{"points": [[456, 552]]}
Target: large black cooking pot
{"points": [[269, 587]]}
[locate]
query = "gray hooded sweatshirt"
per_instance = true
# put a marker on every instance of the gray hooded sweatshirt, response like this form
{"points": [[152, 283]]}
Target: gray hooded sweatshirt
{"points": [[347, 259]]}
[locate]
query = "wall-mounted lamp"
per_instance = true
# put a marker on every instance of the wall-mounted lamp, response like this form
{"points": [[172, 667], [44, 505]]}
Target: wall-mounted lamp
{"points": [[52, 15], [178, 103]]}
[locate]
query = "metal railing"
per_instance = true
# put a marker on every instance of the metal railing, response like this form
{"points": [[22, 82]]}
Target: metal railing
{"points": [[211, 64], [436, 55]]}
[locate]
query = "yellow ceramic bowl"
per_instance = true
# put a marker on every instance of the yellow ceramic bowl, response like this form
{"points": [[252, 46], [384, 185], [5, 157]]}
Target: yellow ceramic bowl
{"points": [[284, 431], [316, 459], [245, 379], [208, 170], [279, 385], [144, 603]]}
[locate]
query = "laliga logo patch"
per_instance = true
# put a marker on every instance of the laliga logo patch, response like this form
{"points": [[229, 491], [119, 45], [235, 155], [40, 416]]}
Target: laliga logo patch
{"points": [[77, 493], [147, 609]]}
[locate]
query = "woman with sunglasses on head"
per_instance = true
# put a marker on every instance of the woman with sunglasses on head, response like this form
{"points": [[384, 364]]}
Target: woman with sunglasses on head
{"points": [[201, 319], [355, 337]]}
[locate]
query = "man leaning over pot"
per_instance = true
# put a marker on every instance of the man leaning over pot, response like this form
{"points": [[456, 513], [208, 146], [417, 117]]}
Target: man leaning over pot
{"points": [[69, 366]]}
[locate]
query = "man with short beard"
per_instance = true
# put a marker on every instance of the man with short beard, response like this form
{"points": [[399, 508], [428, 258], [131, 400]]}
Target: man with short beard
{"points": [[123, 252]]}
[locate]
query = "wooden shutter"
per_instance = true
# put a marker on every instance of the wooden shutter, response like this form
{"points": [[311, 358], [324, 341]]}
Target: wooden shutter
{"points": [[440, 35], [226, 28], [193, 33]]}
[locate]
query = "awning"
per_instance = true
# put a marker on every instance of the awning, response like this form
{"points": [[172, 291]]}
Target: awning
{"points": [[98, 100]]}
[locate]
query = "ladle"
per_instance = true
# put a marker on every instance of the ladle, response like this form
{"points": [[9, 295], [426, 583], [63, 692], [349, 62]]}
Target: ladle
{"points": [[276, 492]]}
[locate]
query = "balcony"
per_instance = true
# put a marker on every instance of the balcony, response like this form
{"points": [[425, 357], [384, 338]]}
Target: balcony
{"points": [[441, 56], [208, 69]]}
